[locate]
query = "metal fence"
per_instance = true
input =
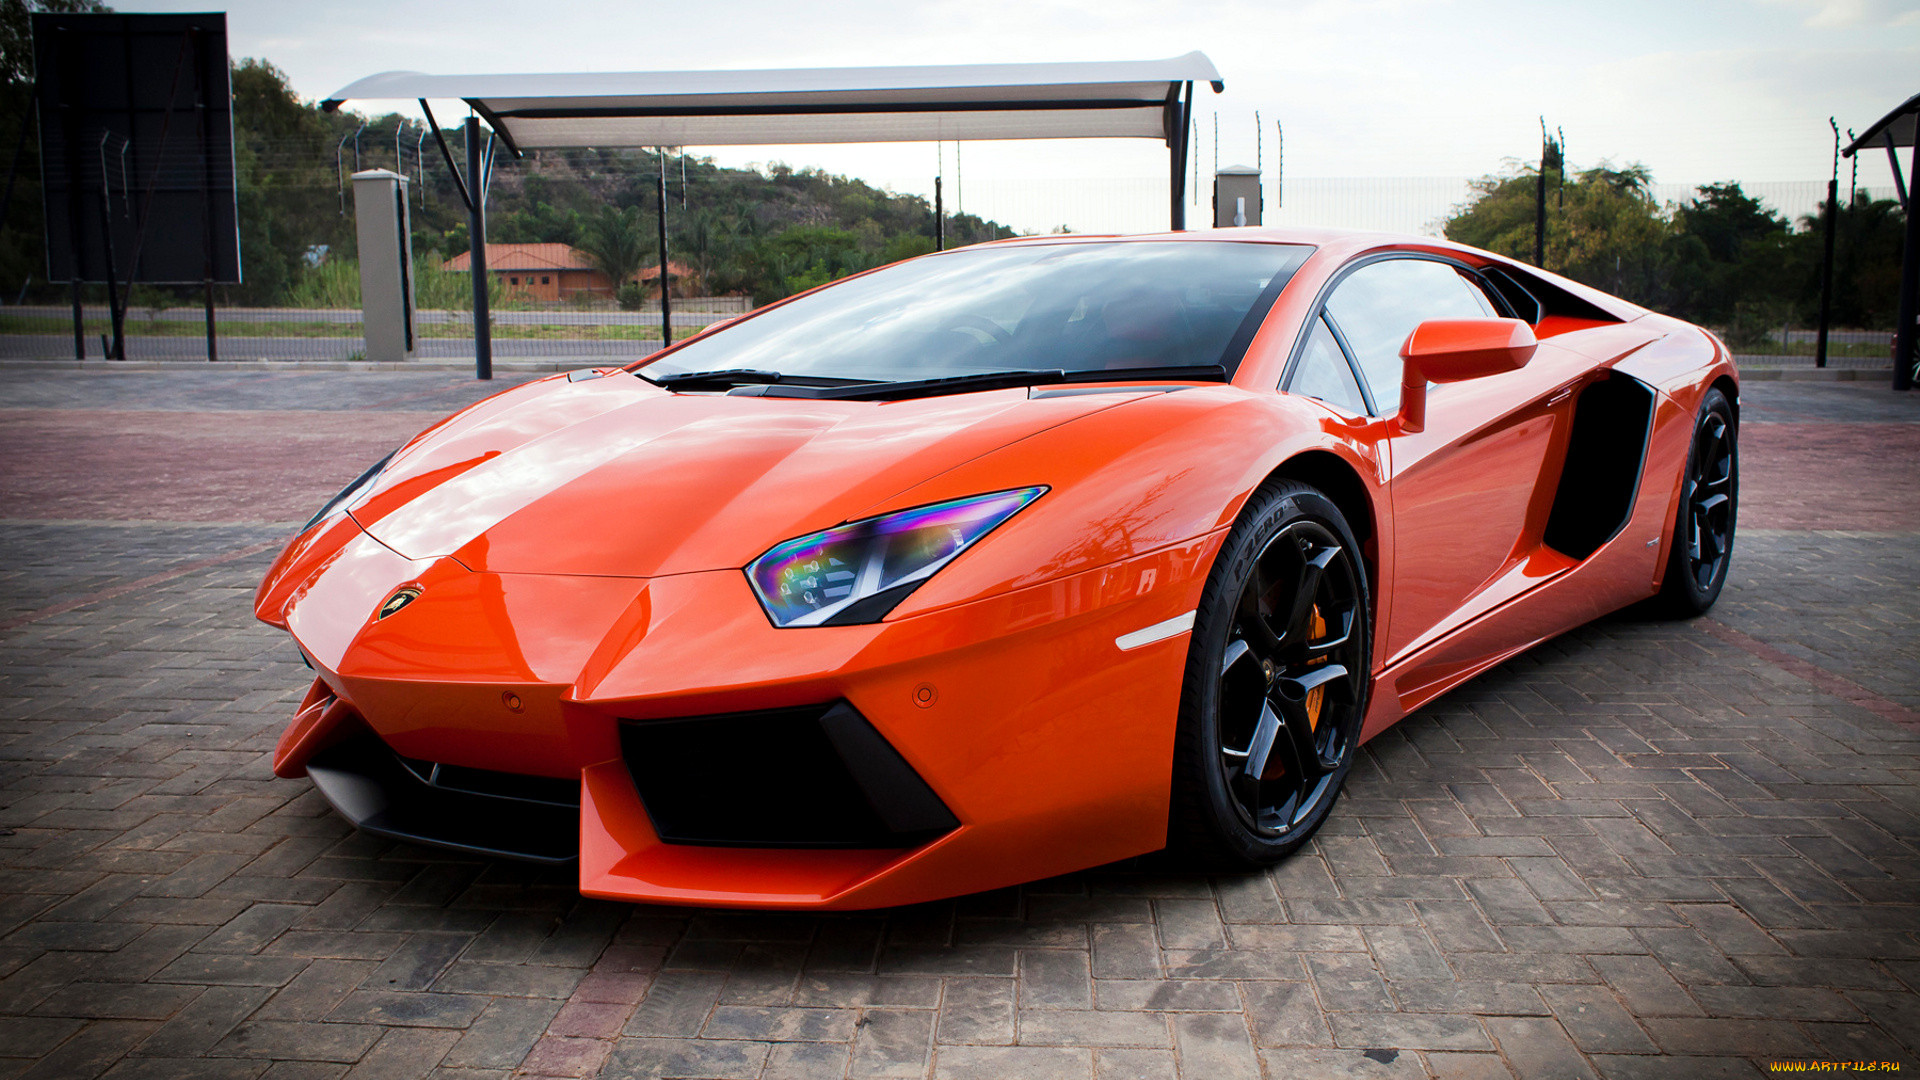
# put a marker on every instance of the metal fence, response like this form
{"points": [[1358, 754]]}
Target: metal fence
{"points": [[598, 331], [45, 332]]}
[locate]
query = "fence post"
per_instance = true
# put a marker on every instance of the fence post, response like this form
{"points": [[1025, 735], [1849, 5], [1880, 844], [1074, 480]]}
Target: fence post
{"points": [[1826, 276]]}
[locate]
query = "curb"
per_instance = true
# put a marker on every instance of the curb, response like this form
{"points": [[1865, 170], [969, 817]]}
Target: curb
{"points": [[1813, 374], [289, 366]]}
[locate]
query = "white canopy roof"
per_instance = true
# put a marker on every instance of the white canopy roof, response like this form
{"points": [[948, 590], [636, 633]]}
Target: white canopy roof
{"points": [[816, 105], [1894, 129]]}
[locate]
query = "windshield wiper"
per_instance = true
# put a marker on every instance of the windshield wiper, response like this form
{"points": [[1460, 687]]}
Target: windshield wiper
{"points": [[986, 380], [748, 380], [910, 388], [721, 377]]}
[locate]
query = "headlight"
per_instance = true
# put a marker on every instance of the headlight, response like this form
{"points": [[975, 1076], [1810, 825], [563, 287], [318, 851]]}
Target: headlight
{"points": [[348, 495], [856, 573]]}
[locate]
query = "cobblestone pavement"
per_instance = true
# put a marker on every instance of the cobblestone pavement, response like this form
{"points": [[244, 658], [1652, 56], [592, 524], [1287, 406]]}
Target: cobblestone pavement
{"points": [[1644, 849]]}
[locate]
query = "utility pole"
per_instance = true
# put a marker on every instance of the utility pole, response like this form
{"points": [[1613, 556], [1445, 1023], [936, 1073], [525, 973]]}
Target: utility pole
{"points": [[1540, 203]]}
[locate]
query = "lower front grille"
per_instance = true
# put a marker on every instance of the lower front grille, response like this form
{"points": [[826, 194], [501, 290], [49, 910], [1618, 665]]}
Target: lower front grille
{"points": [[488, 813], [812, 777]]}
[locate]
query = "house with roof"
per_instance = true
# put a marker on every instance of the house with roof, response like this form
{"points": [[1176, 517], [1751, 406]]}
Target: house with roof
{"points": [[554, 271]]}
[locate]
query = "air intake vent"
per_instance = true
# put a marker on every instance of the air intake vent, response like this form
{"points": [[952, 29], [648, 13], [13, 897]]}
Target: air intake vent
{"points": [[1605, 453], [487, 813], [818, 776]]}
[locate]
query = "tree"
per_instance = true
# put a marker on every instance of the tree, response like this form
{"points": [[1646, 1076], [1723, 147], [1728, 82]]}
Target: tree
{"points": [[1498, 214], [1728, 251], [16, 32], [287, 186], [1866, 277], [615, 241], [1603, 227], [1612, 234]]}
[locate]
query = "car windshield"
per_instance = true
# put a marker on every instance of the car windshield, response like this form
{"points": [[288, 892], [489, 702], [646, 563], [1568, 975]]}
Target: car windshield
{"points": [[1075, 307]]}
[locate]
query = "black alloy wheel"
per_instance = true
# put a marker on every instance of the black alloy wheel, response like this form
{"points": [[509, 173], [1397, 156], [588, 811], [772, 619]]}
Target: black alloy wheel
{"points": [[1276, 682], [1709, 504]]}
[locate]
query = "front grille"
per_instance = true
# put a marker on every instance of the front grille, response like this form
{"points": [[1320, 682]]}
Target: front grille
{"points": [[534, 818], [499, 785], [818, 776]]}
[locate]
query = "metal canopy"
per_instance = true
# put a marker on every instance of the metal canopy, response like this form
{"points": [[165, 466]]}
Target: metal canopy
{"points": [[1894, 129], [1114, 99], [1109, 99]]}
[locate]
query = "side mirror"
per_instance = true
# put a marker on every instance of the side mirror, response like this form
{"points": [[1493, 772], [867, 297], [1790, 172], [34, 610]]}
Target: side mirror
{"points": [[1454, 350]]}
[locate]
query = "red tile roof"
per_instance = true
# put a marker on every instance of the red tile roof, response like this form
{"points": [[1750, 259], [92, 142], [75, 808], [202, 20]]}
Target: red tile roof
{"points": [[502, 258], [524, 257], [651, 272]]}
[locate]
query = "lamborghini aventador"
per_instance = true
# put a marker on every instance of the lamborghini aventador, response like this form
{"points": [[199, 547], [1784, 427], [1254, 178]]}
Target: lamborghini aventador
{"points": [[995, 564]]}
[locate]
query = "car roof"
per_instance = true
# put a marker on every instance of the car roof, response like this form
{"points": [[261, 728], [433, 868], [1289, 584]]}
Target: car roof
{"points": [[1340, 245]]}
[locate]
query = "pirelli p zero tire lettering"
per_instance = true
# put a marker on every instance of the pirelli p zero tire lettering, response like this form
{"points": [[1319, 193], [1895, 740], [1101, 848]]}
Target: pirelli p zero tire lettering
{"points": [[1702, 544], [1276, 682]]}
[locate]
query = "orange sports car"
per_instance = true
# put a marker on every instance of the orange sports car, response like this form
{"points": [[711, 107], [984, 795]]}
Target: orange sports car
{"points": [[996, 563]]}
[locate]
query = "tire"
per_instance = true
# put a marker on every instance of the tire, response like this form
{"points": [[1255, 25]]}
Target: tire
{"points": [[1702, 546], [1276, 683]]}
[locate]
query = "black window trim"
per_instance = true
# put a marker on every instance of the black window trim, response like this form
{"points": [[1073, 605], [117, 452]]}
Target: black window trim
{"points": [[1320, 312], [1346, 353]]}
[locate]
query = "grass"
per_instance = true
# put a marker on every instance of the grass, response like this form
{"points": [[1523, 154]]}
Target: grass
{"points": [[1834, 348]]}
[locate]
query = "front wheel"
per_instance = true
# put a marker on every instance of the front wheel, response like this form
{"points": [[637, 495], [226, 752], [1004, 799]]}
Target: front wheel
{"points": [[1276, 682], [1709, 504]]}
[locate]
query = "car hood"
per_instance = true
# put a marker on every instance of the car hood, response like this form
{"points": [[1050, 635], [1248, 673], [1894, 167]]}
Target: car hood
{"points": [[614, 476]]}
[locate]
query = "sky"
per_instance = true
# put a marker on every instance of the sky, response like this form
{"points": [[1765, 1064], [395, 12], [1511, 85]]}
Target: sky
{"points": [[1697, 90]]}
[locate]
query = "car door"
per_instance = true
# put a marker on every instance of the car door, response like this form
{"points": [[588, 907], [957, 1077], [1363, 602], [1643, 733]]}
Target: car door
{"points": [[1465, 489]]}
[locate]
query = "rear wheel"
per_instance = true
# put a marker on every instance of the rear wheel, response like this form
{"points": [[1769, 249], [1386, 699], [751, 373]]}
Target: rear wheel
{"points": [[1276, 682], [1709, 504]]}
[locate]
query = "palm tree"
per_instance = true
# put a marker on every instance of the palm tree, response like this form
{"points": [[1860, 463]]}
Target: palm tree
{"points": [[615, 241]]}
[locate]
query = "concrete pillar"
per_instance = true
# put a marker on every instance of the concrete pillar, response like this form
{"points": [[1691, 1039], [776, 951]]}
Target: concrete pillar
{"points": [[386, 263]]}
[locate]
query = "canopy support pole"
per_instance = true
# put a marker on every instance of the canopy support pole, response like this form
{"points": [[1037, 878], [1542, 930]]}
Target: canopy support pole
{"points": [[1179, 126], [1906, 332], [472, 192], [666, 301], [477, 253]]}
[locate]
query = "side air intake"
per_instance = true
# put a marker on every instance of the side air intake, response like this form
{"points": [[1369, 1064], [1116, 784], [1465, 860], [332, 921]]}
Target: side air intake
{"points": [[1606, 453]]}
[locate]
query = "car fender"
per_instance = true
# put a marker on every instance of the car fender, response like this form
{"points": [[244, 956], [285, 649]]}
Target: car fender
{"points": [[1154, 473]]}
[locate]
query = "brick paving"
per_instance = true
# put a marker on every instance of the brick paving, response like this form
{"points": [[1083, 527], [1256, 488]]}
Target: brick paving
{"points": [[1642, 850]]}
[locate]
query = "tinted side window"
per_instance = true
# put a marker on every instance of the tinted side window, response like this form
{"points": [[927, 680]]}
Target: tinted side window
{"points": [[1323, 373], [1378, 305]]}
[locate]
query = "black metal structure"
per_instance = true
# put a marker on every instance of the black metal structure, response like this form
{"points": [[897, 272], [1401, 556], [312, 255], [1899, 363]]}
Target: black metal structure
{"points": [[473, 195], [137, 165], [1125, 99], [1892, 131], [1826, 265], [666, 300]]}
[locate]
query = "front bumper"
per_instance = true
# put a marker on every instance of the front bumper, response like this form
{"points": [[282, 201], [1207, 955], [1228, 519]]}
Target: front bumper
{"points": [[1040, 745]]}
